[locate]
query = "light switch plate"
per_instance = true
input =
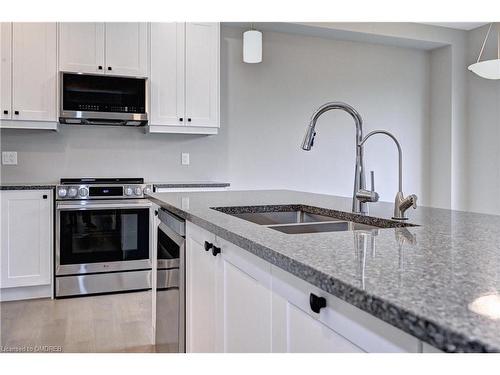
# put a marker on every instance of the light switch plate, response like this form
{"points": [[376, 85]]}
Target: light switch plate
{"points": [[9, 158], [185, 158]]}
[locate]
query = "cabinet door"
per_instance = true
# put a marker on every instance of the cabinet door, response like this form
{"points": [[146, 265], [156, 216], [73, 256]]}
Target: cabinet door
{"points": [[200, 293], [127, 48], [202, 74], [26, 238], [5, 70], [244, 302], [337, 327], [34, 71], [167, 73], [296, 331], [81, 47]]}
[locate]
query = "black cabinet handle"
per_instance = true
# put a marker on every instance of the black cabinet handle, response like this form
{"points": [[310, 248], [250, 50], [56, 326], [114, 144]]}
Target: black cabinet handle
{"points": [[16, 112], [5, 112], [316, 303], [215, 251], [189, 120], [208, 245], [181, 119], [109, 68], [99, 67], [44, 196]]}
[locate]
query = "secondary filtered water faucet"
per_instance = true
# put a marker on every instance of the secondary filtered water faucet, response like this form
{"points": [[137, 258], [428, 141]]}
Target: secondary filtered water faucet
{"points": [[401, 204], [360, 196]]}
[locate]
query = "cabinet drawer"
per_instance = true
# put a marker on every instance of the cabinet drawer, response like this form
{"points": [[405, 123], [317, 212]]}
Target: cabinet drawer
{"points": [[362, 329]]}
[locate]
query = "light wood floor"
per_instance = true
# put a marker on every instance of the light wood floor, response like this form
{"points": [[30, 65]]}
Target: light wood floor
{"points": [[107, 323]]}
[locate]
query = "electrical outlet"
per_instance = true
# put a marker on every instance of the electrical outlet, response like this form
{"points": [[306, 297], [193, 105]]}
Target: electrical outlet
{"points": [[9, 158], [185, 158]]}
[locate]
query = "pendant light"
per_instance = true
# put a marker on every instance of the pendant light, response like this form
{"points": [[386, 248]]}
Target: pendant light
{"points": [[489, 69], [252, 46]]}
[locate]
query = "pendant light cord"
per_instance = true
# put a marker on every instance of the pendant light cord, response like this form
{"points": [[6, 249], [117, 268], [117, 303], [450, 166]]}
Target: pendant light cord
{"points": [[484, 43]]}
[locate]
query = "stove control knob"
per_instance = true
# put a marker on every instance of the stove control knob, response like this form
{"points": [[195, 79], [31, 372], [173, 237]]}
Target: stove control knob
{"points": [[138, 191], [72, 192], [61, 192], [147, 190], [83, 192], [128, 191]]}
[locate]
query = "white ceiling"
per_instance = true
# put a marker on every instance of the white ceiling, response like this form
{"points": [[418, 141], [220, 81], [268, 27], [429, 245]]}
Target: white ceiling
{"points": [[457, 25]]}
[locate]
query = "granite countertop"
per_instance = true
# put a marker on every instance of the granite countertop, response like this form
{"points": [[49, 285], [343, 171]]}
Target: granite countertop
{"points": [[27, 186], [425, 280], [190, 184]]}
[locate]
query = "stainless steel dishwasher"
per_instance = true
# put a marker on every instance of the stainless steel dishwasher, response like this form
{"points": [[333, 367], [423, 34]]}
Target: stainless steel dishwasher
{"points": [[170, 281]]}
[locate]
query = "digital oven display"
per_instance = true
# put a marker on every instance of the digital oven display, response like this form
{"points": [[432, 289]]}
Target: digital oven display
{"points": [[106, 191]]}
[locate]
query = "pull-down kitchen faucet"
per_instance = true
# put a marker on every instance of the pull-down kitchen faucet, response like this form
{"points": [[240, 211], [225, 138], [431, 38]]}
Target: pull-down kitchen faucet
{"points": [[360, 196], [401, 204]]}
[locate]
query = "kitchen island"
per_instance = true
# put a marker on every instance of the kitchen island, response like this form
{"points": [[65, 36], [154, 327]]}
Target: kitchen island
{"points": [[437, 280]]}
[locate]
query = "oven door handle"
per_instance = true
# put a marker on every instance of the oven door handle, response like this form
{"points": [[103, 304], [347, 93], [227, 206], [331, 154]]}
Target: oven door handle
{"points": [[64, 206]]}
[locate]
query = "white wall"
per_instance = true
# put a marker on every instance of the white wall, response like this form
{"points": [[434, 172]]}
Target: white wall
{"points": [[483, 154], [46, 156], [269, 105]]}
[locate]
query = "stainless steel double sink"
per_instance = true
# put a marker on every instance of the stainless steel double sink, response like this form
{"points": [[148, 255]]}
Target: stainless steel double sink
{"points": [[295, 221]]}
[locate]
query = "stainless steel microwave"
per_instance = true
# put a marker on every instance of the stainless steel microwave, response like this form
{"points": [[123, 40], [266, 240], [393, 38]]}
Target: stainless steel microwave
{"points": [[90, 99]]}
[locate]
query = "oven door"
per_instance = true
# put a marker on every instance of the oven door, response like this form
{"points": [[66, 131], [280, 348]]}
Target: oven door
{"points": [[103, 236]]}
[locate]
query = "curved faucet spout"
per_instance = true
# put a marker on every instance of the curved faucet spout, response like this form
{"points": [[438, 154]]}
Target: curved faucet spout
{"points": [[400, 152], [310, 133], [359, 176]]}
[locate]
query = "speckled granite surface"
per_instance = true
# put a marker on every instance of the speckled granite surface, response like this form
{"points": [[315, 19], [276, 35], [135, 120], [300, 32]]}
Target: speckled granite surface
{"points": [[27, 186], [420, 279], [190, 184]]}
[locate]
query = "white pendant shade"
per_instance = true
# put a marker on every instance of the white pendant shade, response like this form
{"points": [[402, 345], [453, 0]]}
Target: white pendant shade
{"points": [[252, 46], [489, 69]]}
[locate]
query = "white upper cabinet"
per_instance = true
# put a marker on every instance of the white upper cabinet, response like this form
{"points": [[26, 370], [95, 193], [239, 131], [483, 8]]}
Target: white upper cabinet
{"points": [[167, 73], [81, 47], [34, 71], [104, 48], [127, 48], [185, 78], [202, 74], [26, 238], [6, 70]]}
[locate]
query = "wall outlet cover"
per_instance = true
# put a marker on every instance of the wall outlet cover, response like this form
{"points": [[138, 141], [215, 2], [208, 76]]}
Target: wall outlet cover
{"points": [[9, 158], [185, 158]]}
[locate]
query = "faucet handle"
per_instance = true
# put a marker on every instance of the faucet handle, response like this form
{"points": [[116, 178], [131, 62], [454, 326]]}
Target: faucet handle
{"points": [[364, 195]]}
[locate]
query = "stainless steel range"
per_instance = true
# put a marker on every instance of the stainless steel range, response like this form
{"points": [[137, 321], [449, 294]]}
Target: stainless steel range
{"points": [[103, 236]]}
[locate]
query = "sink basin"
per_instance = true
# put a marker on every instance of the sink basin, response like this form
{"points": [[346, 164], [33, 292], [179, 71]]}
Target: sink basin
{"points": [[336, 226], [282, 217], [296, 219]]}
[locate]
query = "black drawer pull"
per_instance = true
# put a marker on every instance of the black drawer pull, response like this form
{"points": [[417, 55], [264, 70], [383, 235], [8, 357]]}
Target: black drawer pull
{"points": [[215, 251], [99, 67], [208, 245], [109, 68], [181, 119], [5, 112], [44, 196], [16, 112], [189, 119], [316, 303]]}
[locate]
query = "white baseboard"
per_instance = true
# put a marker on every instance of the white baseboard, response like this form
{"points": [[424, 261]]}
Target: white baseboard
{"points": [[28, 292]]}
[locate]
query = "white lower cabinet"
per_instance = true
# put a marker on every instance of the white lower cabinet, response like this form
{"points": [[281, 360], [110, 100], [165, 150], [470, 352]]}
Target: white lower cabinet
{"points": [[200, 292], [237, 302], [26, 243], [245, 301]]}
